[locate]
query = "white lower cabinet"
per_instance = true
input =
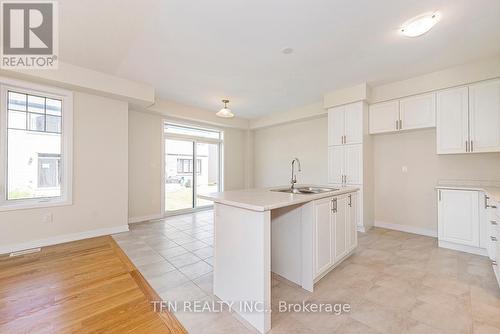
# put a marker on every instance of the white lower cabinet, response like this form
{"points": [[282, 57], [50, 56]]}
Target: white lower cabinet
{"points": [[334, 232], [353, 220], [340, 228], [458, 217], [323, 255]]}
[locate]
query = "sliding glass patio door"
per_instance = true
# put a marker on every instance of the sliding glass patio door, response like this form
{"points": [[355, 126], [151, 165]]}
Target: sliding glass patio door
{"points": [[192, 167]]}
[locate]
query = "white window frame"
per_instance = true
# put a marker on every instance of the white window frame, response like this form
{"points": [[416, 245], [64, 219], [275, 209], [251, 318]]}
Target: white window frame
{"points": [[66, 96]]}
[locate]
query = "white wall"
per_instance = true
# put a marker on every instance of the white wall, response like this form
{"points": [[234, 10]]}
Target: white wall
{"points": [[275, 147], [145, 155], [100, 168], [409, 198]]}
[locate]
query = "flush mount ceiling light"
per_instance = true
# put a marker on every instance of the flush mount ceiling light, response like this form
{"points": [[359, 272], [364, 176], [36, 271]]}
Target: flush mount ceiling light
{"points": [[225, 112], [419, 25]]}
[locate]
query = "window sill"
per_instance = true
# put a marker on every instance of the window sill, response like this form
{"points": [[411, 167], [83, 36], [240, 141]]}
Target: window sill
{"points": [[34, 205]]}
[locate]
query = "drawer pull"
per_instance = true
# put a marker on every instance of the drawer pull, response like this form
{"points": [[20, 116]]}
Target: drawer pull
{"points": [[493, 222]]}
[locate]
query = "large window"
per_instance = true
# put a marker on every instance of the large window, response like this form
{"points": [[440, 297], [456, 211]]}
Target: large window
{"points": [[35, 146], [183, 181]]}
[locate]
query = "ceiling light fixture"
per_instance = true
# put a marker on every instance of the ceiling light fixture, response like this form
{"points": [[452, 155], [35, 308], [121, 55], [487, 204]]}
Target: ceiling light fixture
{"points": [[419, 25], [225, 112]]}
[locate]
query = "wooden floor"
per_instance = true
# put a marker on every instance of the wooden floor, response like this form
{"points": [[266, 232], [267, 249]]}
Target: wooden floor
{"points": [[86, 286]]}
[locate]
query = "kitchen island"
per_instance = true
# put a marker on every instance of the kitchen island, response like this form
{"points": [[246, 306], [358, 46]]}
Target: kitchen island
{"points": [[299, 236]]}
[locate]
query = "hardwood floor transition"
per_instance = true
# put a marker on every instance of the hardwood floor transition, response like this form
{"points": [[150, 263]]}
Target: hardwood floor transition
{"points": [[87, 286]]}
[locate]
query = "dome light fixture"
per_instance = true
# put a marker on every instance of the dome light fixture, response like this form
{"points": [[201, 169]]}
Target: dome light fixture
{"points": [[225, 112], [419, 25]]}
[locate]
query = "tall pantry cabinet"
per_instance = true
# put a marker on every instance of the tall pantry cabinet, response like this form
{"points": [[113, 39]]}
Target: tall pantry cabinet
{"points": [[350, 156]]}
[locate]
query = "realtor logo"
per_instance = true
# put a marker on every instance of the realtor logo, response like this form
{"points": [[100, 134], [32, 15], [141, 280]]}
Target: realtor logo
{"points": [[29, 34]]}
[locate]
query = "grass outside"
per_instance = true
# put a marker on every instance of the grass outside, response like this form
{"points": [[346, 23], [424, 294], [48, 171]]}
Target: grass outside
{"points": [[179, 197]]}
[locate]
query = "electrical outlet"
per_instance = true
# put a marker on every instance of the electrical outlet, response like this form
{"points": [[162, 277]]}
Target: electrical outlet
{"points": [[404, 169], [47, 218]]}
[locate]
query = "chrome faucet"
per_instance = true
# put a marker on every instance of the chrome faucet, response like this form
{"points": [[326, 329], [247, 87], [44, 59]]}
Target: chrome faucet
{"points": [[294, 176]]}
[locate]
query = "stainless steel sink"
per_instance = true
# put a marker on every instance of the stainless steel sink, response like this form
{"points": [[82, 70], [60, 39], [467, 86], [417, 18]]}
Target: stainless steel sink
{"points": [[305, 190]]}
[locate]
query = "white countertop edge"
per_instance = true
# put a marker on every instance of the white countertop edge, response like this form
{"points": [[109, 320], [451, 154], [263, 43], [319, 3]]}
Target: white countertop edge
{"points": [[296, 198]]}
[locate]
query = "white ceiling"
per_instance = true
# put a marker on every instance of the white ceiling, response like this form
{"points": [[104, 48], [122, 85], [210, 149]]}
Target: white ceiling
{"points": [[198, 52]]}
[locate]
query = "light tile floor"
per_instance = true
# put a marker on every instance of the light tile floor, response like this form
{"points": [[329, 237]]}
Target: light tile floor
{"points": [[395, 283]]}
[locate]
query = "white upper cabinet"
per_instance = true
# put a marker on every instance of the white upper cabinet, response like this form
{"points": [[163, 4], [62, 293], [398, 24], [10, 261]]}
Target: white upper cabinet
{"points": [[345, 124], [353, 123], [336, 161], [336, 126], [353, 170], [468, 119], [484, 115], [345, 164], [452, 121], [384, 117], [417, 112], [414, 112]]}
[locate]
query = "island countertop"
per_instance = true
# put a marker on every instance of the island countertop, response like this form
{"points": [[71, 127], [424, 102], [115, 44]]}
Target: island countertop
{"points": [[264, 199]]}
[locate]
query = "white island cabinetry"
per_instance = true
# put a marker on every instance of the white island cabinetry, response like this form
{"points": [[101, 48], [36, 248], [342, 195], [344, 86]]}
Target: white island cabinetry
{"points": [[334, 231], [300, 237]]}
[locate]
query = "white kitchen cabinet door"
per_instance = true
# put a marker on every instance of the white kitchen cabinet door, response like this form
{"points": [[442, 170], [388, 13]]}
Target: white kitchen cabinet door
{"points": [[340, 227], [452, 120], [353, 170], [458, 217], [336, 125], [323, 233], [384, 117], [352, 221], [354, 123], [418, 112], [336, 161], [484, 114]]}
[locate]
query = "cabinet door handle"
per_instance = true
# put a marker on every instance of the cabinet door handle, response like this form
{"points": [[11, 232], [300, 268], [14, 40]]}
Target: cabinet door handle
{"points": [[493, 263], [334, 205], [397, 125], [439, 195], [345, 139], [472, 146], [400, 124], [493, 222], [466, 146], [350, 201], [493, 238]]}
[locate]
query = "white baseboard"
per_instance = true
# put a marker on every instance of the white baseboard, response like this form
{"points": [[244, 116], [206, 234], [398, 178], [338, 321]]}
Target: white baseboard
{"points": [[62, 239], [463, 248], [407, 229], [134, 220]]}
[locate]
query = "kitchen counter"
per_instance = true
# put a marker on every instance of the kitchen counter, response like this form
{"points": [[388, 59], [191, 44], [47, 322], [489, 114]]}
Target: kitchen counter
{"points": [[259, 231], [264, 199]]}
